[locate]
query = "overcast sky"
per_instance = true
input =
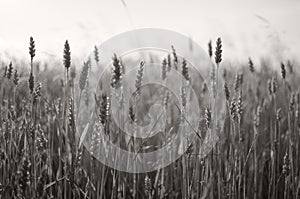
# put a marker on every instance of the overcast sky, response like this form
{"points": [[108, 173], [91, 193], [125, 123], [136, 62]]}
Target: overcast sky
{"points": [[248, 28]]}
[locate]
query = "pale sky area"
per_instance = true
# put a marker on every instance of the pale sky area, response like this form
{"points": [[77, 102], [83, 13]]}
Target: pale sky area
{"points": [[253, 28]]}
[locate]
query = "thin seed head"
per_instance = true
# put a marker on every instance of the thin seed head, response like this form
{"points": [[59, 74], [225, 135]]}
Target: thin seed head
{"points": [[139, 78], [96, 54], [79, 156], [270, 87], [274, 85], [148, 185], [41, 140], [238, 81], [9, 71], [257, 116], [132, 114], [251, 65], [292, 102], [174, 54], [218, 53], [86, 94], [169, 62], [278, 114], [84, 76], [166, 99], [283, 71], [233, 109], [37, 92], [207, 116], [116, 73], [104, 109], [164, 69], [174, 57], [210, 52], [107, 107], [16, 77], [31, 48], [185, 70], [286, 165], [240, 105], [227, 92], [71, 117], [241, 79], [67, 56], [183, 96]]}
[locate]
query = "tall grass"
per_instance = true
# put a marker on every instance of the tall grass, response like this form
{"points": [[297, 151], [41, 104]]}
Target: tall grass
{"points": [[42, 156]]}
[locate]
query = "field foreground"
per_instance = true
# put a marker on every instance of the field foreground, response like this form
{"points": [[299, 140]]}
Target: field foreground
{"points": [[43, 114]]}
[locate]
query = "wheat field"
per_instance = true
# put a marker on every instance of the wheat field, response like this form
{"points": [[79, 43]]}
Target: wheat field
{"points": [[42, 155]]}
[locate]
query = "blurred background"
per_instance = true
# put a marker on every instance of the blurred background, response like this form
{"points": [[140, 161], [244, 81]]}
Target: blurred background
{"points": [[256, 28]]}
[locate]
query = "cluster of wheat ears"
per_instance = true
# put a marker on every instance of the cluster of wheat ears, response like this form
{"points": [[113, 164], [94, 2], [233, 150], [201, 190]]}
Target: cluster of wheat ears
{"points": [[42, 156]]}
